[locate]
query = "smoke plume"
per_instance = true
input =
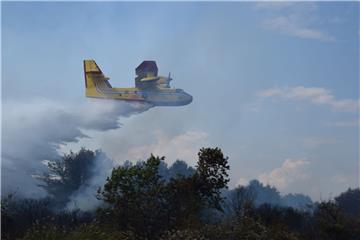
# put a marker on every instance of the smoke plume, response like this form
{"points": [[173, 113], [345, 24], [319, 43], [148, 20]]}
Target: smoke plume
{"points": [[32, 132], [85, 197]]}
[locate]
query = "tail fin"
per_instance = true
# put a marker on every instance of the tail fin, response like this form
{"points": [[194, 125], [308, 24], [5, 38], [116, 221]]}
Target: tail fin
{"points": [[93, 73], [91, 67]]}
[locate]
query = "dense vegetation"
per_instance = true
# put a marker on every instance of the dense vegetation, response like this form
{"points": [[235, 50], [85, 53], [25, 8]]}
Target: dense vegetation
{"points": [[149, 200]]}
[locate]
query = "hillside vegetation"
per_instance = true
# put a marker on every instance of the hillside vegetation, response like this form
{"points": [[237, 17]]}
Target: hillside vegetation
{"points": [[149, 200]]}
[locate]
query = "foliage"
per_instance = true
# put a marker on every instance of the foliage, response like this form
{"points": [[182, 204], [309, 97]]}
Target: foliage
{"points": [[264, 194], [185, 234], [136, 196], [45, 231], [143, 201], [37, 217], [212, 176], [83, 232], [270, 195], [150, 200], [17, 214], [349, 202], [68, 174], [333, 223], [298, 201], [95, 232], [240, 201], [178, 168], [250, 229]]}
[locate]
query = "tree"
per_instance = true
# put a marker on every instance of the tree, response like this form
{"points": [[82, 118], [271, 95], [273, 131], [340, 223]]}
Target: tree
{"points": [[212, 176], [241, 200], [184, 202], [68, 174], [264, 194], [349, 202], [332, 223], [141, 200], [297, 200], [180, 167], [18, 214], [136, 196], [190, 195]]}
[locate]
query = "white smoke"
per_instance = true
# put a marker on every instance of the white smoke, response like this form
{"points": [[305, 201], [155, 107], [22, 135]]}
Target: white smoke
{"points": [[33, 131], [85, 197]]}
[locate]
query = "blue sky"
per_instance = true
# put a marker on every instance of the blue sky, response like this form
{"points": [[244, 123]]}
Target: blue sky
{"points": [[275, 85]]}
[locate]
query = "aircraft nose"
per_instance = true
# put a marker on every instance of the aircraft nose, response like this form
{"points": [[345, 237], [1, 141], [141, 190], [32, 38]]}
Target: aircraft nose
{"points": [[188, 98]]}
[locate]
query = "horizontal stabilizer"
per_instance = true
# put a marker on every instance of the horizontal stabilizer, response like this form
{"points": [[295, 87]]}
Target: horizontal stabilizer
{"points": [[147, 67]]}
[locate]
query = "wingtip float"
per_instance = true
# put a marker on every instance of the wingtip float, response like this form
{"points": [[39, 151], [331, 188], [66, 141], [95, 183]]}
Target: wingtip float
{"points": [[149, 87]]}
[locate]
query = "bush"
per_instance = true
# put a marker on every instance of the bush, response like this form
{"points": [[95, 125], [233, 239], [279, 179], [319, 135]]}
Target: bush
{"points": [[94, 232], [184, 234], [45, 232]]}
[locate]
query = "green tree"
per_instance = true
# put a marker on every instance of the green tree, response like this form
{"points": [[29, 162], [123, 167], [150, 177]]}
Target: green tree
{"points": [[349, 202], [94, 232], [136, 196], [241, 201], [332, 223], [142, 201], [18, 214], [68, 174], [212, 176], [188, 196], [184, 202]]}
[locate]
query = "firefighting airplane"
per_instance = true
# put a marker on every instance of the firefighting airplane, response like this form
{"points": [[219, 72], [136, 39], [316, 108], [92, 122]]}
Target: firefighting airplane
{"points": [[149, 87]]}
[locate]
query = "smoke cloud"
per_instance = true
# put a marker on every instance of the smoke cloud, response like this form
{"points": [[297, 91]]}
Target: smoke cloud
{"points": [[32, 132], [85, 197]]}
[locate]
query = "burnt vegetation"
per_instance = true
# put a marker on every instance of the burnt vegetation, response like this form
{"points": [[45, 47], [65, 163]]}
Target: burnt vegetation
{"points": [[150, 200]]}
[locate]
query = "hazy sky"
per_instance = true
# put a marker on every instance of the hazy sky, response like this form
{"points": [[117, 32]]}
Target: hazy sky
{"points": [[275, 85]]}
